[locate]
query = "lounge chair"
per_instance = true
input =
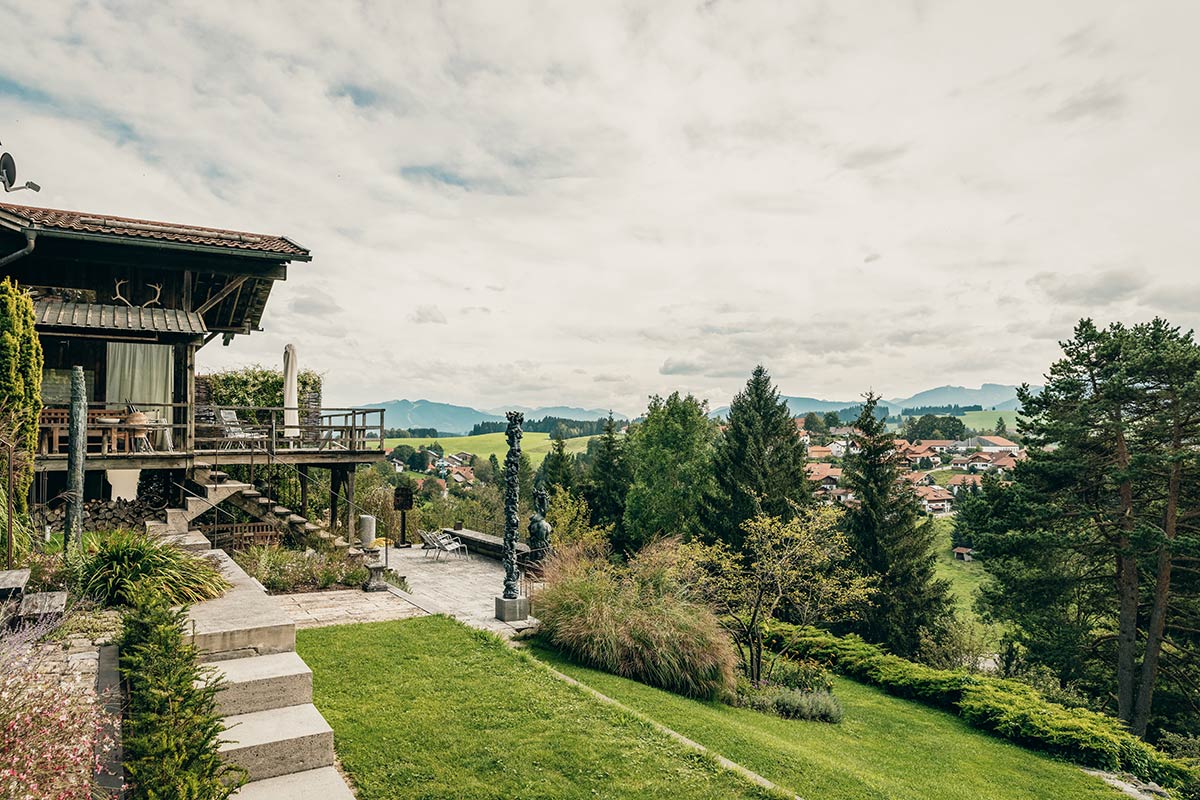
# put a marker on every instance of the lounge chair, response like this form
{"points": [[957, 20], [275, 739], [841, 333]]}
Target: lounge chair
{"points": [[438, 543], [234, 433]]}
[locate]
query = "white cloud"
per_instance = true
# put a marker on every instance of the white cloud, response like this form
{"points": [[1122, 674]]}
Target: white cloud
{"points": [[660, 193]]}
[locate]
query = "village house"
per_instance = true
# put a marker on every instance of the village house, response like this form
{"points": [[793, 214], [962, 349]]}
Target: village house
{"points": [[959, 483], [934, 499], [804, 434], [995, 444], [817, 452]]}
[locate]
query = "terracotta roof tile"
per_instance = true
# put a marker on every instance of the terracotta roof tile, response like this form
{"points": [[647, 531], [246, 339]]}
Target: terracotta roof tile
{"points": [[109, 225]]}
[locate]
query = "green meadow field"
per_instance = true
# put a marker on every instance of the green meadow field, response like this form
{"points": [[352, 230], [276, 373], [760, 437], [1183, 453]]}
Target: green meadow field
{"points": [[986, 420], [536, 445]]}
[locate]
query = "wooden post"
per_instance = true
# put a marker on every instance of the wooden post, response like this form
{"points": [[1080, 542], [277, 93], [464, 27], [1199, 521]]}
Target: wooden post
{"points": [[351, 509], [76, 447], [302, 470], [334, 475]]}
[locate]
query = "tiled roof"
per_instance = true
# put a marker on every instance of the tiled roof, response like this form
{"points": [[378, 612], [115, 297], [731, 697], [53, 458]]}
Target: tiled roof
{"points": [[107, 225], [49, 314]]}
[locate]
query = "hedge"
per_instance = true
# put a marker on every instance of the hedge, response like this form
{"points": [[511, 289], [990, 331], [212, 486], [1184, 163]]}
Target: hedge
{"points": [[1004, 708]]}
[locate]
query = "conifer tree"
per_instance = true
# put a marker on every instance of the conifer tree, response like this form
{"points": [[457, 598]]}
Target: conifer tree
{"points": [[758, 463], [20, 381], [558, 468], [890, 543], [1001, 427], [608, 482]]}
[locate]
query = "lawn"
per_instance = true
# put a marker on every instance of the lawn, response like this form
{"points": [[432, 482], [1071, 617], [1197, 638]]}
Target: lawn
{"points": [[885, 748], [428, 708], [965, 576], [536, 445]]}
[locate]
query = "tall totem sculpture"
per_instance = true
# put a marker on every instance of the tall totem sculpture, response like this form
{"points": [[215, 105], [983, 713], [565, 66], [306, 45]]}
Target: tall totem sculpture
{"points": [[512, 520]]}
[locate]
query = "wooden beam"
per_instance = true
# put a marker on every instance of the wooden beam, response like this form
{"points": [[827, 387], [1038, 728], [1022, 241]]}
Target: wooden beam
{"points": [[234, 283]]}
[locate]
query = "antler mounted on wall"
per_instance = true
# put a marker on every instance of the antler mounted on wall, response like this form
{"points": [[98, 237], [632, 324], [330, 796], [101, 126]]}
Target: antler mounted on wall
{"points": [[157, 287]]}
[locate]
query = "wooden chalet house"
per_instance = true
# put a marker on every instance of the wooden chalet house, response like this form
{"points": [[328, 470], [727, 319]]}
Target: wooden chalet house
{"points": [[132, 301]]}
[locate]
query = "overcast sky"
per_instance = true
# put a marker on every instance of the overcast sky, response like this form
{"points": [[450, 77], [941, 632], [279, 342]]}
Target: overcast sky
{"points": [[590, 202]]}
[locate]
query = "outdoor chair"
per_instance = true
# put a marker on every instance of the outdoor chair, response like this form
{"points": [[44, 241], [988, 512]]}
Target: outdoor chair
{"points": [[438, 543], [235, 433]]}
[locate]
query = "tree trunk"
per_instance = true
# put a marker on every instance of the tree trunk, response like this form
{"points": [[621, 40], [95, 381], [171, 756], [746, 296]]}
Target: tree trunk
{"points": [[1127, 591], [76, 447], [1158, 609]]}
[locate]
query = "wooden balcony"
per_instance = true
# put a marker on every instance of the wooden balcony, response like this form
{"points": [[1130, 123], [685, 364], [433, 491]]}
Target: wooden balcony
{"points": [[171, 436]]}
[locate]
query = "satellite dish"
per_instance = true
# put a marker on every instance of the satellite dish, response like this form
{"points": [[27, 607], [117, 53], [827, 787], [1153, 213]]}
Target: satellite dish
{"points": [[8, 176], [8, 172]]}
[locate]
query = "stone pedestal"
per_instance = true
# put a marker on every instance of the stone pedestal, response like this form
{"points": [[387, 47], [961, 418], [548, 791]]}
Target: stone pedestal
{"points": [[512, 610], [375, 583]]}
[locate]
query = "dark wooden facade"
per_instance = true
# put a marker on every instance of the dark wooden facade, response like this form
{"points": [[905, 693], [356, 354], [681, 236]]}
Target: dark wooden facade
{"points": [[101, 283]]}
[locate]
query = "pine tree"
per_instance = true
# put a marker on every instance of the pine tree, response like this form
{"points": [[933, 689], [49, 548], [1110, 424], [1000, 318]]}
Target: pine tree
{"points": [[890, 543], [758, 463], [558, 468], [608, 482], [1001, 427], [20, 382]]}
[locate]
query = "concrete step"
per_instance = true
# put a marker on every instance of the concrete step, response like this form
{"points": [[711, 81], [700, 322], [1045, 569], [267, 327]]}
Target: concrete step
{"points": [[192, 541], [41, 605], [310, 527], [12, 583], [216, 476], [281, 511], [251, 493], [264, 501], [315, 784], [177, 520], [296, 519], [195, 506], [279, 741], [241, 623], [262, 683]]}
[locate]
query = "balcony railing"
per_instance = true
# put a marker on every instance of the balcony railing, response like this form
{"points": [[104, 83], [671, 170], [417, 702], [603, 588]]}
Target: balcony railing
{"points": [[169, 428]]}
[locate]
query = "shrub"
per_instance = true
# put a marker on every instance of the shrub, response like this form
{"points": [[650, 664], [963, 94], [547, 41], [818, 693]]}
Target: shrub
{"points": [[803, 674], [172, 730], [126, 560], [53, 734], [283, 571], [1005, 708], [816, 706], [637, 621]]}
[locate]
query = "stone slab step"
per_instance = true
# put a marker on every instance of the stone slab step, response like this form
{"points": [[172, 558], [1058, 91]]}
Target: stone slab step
{"points": [[280, 741], [13, 582], [262, 683], [296, 519], [264, 501], [43, 604], [216, 476], [315, 784], [310, 527], [282, 511], [251, 493]]}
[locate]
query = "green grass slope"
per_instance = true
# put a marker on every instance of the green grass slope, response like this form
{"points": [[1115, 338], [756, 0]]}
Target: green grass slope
{"points": [[965, 576], [886, 748], [428, 708], [536, 445]]}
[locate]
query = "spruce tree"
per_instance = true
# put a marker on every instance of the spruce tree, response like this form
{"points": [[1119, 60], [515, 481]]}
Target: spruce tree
{"points": [[758, 463], [1001, 427], [558, 468], [20, 382], [890, 543], [608, 482]]}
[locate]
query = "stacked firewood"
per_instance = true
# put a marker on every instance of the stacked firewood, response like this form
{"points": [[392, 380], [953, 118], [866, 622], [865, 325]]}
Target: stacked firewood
{"points": [[98, 515]]}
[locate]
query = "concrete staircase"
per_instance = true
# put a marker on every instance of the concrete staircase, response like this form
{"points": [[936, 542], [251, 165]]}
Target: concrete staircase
{"points": [[273, 730]]}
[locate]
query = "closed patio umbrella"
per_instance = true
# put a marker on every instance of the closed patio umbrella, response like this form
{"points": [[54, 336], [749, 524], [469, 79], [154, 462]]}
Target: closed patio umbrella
{"points": [[291, 392]]}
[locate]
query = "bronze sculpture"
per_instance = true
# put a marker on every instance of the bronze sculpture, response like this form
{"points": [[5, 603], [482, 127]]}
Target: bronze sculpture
{"points": [[539, 528], [512, 520]]}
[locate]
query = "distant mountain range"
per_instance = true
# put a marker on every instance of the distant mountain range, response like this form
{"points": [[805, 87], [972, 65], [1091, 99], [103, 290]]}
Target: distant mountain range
{"points": [[448, 418], [1000, 396]]}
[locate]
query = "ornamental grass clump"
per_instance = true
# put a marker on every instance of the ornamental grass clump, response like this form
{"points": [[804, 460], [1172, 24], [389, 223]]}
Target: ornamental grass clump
{"points": [[636, 620], [54, 733], [125, 561]]}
